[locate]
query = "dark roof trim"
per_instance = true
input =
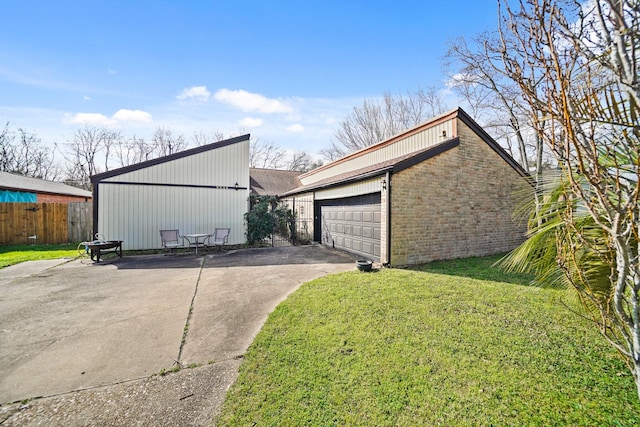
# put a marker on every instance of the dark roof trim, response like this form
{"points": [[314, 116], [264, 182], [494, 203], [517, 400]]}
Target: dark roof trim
{"points": [[340, 183], [160, 184], [393, 167], [492, 143], [426, 155], [175, 156]]}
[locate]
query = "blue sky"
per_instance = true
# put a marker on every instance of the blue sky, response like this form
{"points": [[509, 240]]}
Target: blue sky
{"points": [[285, 71]]}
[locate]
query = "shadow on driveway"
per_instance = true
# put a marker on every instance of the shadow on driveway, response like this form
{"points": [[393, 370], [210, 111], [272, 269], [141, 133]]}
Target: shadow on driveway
{"points": [[233, 258]]}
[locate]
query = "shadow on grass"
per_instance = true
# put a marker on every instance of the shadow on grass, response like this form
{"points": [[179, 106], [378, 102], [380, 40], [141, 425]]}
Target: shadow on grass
{"points": [[481, 268]]}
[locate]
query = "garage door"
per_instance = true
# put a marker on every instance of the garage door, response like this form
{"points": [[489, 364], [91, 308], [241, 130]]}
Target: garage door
{"points": [[352, 224]]}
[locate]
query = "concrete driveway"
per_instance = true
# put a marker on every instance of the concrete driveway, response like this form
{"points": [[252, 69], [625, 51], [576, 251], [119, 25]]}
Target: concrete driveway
{"points": [[84, 326]]}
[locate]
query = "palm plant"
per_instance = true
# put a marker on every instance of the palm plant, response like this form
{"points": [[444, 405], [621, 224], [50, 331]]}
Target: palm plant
{"points": [[566, 248]]}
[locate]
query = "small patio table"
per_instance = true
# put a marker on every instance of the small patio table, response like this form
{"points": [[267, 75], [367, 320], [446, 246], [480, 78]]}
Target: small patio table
{"points": [[198, 240]]}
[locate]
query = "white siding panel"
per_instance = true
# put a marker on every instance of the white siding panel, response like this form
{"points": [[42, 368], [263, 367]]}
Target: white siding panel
{"points": [[410, 144], [136, 213], [356, 189], [221, 167]]}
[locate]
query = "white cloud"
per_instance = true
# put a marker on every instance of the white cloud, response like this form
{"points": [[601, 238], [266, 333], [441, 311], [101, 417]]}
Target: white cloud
{"points": [[86, 98], [295, 128], [197, 93], [247, 101], [251, 122], [97, 119], [132, 116], [112, 71]]}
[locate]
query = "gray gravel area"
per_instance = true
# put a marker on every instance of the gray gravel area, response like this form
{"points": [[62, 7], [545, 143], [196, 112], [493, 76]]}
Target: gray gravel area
{"points": [[190, 397]]}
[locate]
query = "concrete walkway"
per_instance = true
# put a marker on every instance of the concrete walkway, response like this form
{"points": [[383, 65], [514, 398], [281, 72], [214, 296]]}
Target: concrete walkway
{"points": [[95, 332]]}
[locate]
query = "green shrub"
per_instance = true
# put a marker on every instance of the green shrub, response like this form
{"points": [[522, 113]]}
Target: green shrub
{"points": [[265, 217]]}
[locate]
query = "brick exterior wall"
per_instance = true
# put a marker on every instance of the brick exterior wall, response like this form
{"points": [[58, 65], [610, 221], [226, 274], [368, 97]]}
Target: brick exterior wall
{"points": [[457, 204], [59, 198]]}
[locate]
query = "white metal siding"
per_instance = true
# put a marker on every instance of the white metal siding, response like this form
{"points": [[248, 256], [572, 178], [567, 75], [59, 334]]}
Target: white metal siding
{"points": [[135, 213], [138, 206], [358, 188], [221, 166], [410, 144]]}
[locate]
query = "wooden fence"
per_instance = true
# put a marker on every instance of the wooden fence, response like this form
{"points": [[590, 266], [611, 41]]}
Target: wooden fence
{"points": [[50, 223]]}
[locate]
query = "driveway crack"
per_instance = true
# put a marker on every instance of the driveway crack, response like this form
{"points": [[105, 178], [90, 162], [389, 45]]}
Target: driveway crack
{"points": [[185, 330]]}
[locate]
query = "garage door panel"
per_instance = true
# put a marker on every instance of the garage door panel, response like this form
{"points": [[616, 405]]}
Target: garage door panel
{"points": [[354, 224], [368, 247], [367, 232]]}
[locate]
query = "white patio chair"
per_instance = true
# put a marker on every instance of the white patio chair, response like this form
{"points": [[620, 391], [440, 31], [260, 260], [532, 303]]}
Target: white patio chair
{"points": [[219, 238], [171, 240]]}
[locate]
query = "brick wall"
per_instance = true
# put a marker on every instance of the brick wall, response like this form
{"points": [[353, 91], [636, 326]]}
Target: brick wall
{"points": [[59, 198], [457, 204]]}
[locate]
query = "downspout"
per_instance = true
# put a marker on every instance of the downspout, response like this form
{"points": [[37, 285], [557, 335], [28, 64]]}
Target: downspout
{"points": [[387, 262]]}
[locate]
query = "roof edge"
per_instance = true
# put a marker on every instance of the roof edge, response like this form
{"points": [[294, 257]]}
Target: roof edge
{"points": [[186, 153], [420, 157], [62, 193], [475, 127], [416, 129], [362, 177]]}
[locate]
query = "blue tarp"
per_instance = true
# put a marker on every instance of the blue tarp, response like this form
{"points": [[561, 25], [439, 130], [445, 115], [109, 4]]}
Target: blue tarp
{"points": [[17, 197]]}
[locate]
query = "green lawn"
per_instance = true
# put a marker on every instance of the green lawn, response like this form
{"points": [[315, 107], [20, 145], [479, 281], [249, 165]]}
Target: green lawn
{"points": [[457, 343], [15, 254]]}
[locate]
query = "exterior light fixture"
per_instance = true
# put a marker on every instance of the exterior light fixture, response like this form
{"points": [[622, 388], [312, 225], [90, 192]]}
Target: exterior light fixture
{"points": [[237, 187], [384, 184]]}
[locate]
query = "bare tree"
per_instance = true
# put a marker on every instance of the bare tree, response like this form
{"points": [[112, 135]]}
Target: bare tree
{"points": [[203, 137], [89, 148], [132, 150], [480, 80], [6, 150], [301, 161], [483, 82], [263, 154], [577, 63], [24, 153], [165, 142], [375, 121]]}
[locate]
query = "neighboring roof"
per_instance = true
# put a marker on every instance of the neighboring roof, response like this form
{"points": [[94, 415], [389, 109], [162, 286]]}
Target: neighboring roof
{"points": [[175, 156], [11, 181], [273, 182], [393, 165]]}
